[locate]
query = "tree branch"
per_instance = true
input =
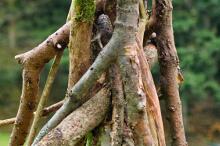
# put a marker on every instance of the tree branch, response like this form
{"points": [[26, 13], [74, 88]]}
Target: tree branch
{"points": [[46, 111], [118, 103], [44, 97], [33, 61], [7, 122], [81, 121], [120, 39]]}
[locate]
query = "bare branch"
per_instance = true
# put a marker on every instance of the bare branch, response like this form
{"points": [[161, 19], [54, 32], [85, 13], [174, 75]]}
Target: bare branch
{"points": [[44, 97], [33, 61], [46, 111], [120, 39], [78, 123], [7, 122]]}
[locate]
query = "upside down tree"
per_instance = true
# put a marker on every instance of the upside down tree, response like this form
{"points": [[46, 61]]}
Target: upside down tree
{"points": [[111, 97]]}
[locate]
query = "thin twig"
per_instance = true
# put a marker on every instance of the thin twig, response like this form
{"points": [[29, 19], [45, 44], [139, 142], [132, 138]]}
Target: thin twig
{"points": [[46, 112], [7, 122], [44, 97]]}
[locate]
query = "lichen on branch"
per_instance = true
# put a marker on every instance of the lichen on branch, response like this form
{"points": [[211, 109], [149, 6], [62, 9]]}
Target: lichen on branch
{"points": [[85, 10]]}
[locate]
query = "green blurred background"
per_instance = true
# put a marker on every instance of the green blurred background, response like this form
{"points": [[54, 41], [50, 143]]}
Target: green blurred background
{"points": [[24, 24]]}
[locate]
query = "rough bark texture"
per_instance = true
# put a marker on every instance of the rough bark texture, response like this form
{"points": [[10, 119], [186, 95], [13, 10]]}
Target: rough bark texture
{"points": [[153, 105], [33, 62], [80, 122], [118, 103], [79, 51], [169, 63], [77, 95], [137, 118], [138, 122]]}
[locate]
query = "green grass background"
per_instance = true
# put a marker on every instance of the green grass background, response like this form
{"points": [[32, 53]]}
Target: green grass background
{"points": [[4, 138]]}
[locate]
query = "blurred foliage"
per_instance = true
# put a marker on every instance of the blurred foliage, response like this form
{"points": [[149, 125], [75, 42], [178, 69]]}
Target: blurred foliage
{"points": [[197, 30], [24, 24]]}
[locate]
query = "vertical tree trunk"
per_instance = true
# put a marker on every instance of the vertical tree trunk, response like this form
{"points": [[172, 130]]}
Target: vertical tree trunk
{"points": [[169, 64], [79, 50]]}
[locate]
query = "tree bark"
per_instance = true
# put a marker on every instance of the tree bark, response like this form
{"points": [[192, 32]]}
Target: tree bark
{"points": [[126, 22], [118, 103], [169, 64], [44, 97], [79, 122], [33, 61]]}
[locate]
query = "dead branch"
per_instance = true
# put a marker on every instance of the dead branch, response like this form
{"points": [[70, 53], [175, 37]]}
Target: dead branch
{"points": [[46, 111], [81, 121], [7, 122], [120, 39], [152, 98], [44, 97], [33, 61]]}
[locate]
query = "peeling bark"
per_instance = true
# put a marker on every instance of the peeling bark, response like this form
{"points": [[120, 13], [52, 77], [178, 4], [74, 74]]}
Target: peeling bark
{"points": [[153, 105], [33, 62]]}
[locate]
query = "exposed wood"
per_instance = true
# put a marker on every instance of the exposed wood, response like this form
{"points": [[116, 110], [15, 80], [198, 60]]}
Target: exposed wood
{"points": [[153, 105], [137, 118], [33, 61]]}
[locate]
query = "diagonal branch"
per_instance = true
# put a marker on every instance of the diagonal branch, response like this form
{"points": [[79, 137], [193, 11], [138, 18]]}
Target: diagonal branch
{"points": [[125, 22], [81, 121]]}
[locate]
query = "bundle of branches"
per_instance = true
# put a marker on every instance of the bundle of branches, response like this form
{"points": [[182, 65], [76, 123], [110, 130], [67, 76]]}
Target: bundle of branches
{"points": [[111, 97]]}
